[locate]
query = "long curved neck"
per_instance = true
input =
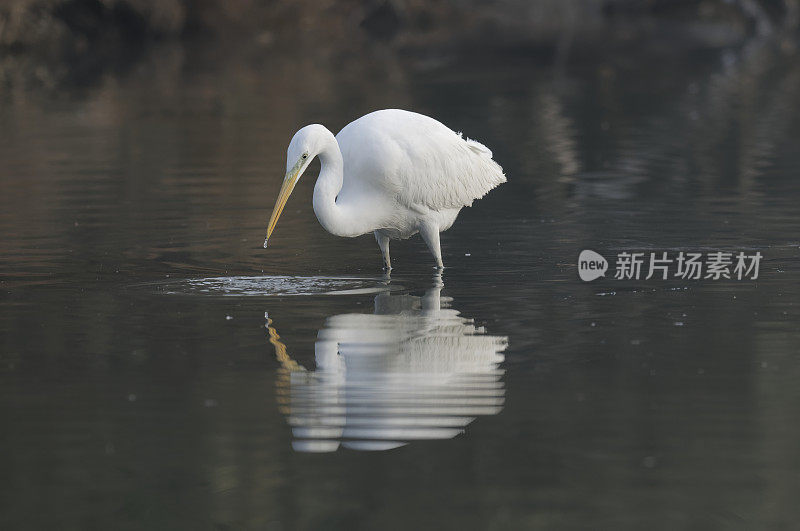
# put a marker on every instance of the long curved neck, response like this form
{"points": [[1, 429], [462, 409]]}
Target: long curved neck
{"points": [[335, 218]]}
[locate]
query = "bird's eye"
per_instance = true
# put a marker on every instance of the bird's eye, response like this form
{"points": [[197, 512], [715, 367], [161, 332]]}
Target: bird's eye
{"points": [[305, 155]]}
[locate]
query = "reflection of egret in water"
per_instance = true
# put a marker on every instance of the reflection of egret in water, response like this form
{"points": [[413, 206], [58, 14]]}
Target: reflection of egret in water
{"points": [[412, 370]]}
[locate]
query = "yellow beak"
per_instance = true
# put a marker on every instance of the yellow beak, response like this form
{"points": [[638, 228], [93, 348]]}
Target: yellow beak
{"points": [[292, 176]]}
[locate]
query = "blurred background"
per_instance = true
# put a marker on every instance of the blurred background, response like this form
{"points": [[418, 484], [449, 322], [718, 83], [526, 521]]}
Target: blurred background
{"points": [[47, 43], [142, 145]]}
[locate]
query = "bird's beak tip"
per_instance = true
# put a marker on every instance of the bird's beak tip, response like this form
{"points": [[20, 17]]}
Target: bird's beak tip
{"points": [[266, 242]]}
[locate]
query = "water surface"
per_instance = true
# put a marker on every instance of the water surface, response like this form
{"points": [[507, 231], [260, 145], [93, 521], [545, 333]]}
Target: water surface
{"points": [[159, 371]]}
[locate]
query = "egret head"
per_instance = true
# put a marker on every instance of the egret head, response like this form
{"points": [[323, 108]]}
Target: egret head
{"points": [[305, 145]]}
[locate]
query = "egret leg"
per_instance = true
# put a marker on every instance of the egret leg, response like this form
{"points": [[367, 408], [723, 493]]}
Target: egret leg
{"points": [[383, 243], [430, 233]]}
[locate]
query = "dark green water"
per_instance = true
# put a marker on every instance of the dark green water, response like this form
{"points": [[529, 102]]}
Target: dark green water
{"points": [[136, 395]]}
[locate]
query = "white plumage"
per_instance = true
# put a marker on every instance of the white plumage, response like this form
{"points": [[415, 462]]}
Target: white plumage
{"points": [[391, 172]]}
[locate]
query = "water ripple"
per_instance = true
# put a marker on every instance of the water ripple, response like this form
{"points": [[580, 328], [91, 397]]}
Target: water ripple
{"points": [[272, 286]]}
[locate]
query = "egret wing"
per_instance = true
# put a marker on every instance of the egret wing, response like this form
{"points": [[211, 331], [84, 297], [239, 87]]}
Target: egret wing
{"points": [[417, 160]]}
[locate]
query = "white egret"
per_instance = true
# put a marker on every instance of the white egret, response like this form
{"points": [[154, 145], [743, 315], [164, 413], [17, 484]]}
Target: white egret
{"points": [[391, 172]]}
